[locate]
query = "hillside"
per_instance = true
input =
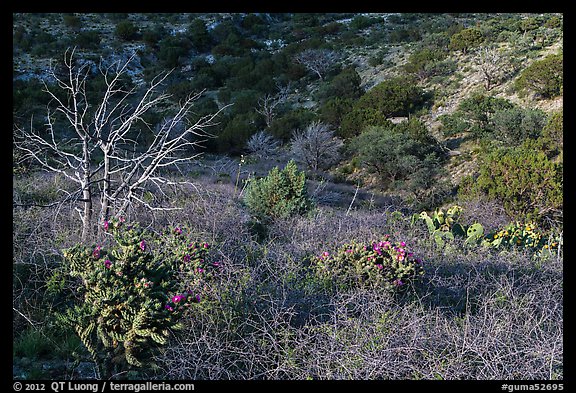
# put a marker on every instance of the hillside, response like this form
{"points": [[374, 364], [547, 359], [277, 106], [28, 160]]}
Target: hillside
{"points": [[377, 46]]}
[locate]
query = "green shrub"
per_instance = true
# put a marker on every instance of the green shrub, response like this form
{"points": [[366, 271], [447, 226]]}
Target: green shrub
{"points": [[423, 62], [72, 21], [553, 131], [466, 39], [544, 77], [333, 111], [513, 126], [354, 121], [281, 194], [395, 154], [478, 111], [524, 179], [398, 96], [452, 124], [371, 264], [126, 31], [133, 293], [283, 126], [345, 85]]}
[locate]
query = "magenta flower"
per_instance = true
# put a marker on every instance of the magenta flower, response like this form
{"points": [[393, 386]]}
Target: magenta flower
{"points": [[186, 258], [96, 252], [178, 230], [143, 245], [217, 264], [199, 270], [107, 263], [379, 266], [177, 298], [168, 307], [198, 298], [402, 244], [349, 250], [106, 225]]}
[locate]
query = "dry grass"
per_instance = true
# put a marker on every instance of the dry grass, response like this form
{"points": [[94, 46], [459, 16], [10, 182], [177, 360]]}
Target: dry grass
{"points": [[477, 314]]}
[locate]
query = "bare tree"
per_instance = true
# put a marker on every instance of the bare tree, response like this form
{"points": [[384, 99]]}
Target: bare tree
{"points": [[316, 146], [319, 61], [262, 144], [122, 168], [493, 65], [267, 105]]}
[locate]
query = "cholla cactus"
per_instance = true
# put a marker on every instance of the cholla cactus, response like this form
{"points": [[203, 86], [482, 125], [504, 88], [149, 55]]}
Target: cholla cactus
{"points": [[389, 265], [133, 293]]}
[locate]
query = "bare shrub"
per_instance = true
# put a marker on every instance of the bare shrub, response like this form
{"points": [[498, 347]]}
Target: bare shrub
{"points": [[262, 145], [316, 147], [490, 213], [319, 61]]}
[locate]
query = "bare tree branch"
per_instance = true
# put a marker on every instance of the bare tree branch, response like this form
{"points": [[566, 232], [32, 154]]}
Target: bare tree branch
{"points": [[109, 126], [319, 61]]}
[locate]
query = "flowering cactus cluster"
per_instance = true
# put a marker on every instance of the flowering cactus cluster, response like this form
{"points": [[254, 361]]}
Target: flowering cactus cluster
{"points": [[524, 235], [384, 263], [133, 292]]}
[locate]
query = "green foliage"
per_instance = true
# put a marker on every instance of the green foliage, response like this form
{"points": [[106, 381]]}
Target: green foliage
{"points": [[235, 133], [444, 226], [522, 235], [345, 85], [281, 194], [126, 30], [513, 126], [88, 40], [153, 35], [172, 49], [395, 154], [398, 96], [424, 62], [478, 110], [553, 131], [452, 124], [283, 126], [544, 78], [466, 39], [333, 111], [199, 36], [132, 293], [72, 21], [384, 264], [355, 120], [524, 179], [32, 343]]}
